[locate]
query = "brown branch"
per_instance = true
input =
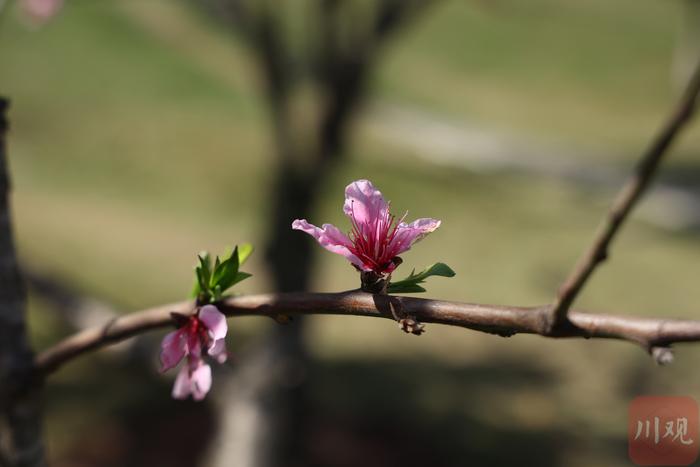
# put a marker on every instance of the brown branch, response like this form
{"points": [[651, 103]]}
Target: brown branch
{"points": [[626, 199], [654, 335]]}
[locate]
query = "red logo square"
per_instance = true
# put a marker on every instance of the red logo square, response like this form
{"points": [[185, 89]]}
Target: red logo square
{"points": [[663, 430]]}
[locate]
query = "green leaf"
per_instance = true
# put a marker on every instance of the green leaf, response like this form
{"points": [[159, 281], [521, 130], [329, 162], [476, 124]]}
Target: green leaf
{"points": [[211, 283], [410, 284], [225, 274], [405, 288], [202, 273], [241, 276], [437, 269], [218, 293], [204, 269], [196, 288], [244, 251]]}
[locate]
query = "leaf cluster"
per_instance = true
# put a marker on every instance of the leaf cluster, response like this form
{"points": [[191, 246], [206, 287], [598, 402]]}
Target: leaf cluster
{"points": [[213, 279]]}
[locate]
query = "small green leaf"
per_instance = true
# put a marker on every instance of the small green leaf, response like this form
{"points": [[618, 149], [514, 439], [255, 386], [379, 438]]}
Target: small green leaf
{"points": [[204, 269], [225, 275], [405, 288], [211, 283], [196, 288], [241, 276], [410, 284], [202, 273], [218, 293], [437, 269], [201, 281], [244, 251]]}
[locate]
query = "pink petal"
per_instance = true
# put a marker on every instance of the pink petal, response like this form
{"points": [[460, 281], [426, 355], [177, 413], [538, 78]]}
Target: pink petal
{"points": [[195, 379], [330, 238], [364, 203], [201, 382], [172, 350], [183, 384], [408, 234], [194, 345], [218, 350], [214, 320], [41, 10]]}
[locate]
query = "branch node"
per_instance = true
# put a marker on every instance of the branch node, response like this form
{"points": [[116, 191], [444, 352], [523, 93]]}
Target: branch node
{"points": [[374, 283], [410, 325], [556, 323], [662, 355], [504, 333], [282, 319], [407, 323]]}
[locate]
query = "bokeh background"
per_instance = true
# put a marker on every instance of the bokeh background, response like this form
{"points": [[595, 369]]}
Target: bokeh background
{"points": [[141, 134]]}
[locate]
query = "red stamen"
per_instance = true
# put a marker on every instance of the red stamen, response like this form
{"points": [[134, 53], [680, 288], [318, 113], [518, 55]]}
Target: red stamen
{"points": [[373, 242]]}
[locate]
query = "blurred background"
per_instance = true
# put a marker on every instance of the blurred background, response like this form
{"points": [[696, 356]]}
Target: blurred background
{"points": [[144, 131]]}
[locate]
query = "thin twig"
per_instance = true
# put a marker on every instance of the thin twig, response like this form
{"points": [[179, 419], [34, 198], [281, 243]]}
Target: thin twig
{"points": [[502, 320], [628, 196]]}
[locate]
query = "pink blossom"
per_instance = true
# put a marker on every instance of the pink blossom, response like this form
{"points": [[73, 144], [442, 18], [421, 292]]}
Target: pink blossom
{"points": [[375, 240], [204, 330], [40, 11], [194, 379]]}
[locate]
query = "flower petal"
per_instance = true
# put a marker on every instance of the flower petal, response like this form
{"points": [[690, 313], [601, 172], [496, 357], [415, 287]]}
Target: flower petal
{"points": [[364, 203], [194, 345], [330, 238], [214, 320], [201, 381], [183, 384], [172, 349], [218, 350], [408, 234], [41, 10]]}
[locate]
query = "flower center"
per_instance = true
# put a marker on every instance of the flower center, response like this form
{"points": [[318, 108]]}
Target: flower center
{"points": [[374, 242], [197, 329]]}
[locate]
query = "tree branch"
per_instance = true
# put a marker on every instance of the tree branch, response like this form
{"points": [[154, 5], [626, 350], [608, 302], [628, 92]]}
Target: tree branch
{"points": [[626, 199], [651, 334]]}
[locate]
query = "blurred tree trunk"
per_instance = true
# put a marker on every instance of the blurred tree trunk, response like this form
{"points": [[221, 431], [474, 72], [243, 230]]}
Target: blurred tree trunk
{"points": [[19, 395], [263, 419]]}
